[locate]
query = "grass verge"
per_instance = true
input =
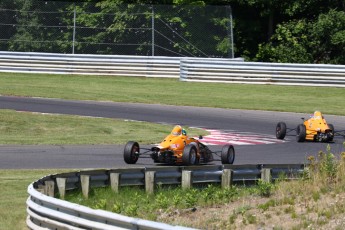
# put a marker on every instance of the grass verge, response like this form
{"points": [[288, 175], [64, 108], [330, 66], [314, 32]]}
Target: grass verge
{"points": [[33, 128], [171, 91], [13, 195]]}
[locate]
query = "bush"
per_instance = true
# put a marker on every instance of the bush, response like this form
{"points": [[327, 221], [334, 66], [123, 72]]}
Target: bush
{"points": [[265, 188]]}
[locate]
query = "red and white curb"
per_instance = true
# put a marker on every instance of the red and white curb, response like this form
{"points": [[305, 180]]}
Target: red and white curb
{"points": [[219, 137]]}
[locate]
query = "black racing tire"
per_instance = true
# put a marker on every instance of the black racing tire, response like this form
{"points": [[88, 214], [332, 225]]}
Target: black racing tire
{"points": [[131, 152], [228, 154], [281, 130], [331, 127], [301, 133], [189, 156]]}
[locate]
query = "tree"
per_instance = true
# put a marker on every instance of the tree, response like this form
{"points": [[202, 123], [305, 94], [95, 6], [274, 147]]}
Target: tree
{"points": [[288, 44], [301, 41], [328, 38], [256, 21], [37, 28]]}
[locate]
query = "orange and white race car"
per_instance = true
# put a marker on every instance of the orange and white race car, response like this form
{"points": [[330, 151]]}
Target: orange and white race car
{"points": [[178, 148], [314, 129]]}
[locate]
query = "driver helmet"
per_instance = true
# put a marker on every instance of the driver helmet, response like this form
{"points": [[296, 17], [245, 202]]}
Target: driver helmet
{"points": [[177, 130], [184, 132], [317, 114]]}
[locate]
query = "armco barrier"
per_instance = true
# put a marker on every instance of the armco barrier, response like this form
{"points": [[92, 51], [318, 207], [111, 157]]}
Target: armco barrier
{"points": [[46, 212], [186, 68], [262, 73], [88, 64]]}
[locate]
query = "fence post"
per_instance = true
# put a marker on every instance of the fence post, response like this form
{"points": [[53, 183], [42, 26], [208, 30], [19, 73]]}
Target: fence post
{"points": [[187, 179], [115, 181], [153, 31], [74, 25], [266, 175], [49, 188], [61, 184], [227, 178], [85, 185], [150, 181]]}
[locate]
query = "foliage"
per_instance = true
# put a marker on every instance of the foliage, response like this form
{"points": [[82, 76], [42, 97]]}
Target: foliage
{"points": [[116, 27], [135, 202], [327, 167], [301, 41], [265, 188], [29, 32]]}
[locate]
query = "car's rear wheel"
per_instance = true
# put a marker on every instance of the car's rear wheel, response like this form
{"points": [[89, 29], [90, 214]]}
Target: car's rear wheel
{"points": [[300, 133], [331, 127], [228, 154], [189, 155], [280, 130], [131, 152]]}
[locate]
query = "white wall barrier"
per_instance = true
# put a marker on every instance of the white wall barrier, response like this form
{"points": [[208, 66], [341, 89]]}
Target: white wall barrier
{"points": [[187, 69], [47, 212]]}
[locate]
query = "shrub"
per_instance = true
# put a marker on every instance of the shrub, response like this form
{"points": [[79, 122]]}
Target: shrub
{"points": [[191, 197], [265, 188]]}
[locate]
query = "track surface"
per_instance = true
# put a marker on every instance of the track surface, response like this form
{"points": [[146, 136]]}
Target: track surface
{"points": [[110, 156]]}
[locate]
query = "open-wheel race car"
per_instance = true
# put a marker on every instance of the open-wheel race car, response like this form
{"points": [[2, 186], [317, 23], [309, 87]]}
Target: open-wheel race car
{"points": [[178, 148], [314, 129]]}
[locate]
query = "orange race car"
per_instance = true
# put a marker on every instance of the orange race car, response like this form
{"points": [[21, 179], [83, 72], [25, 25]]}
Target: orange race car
{"points": [[313, 129], [178, 148]]}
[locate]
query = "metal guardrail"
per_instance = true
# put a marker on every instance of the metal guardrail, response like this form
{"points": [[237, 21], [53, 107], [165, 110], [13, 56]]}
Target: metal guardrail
{"points": [[46, 212], [187, 69], [116, 65], [262, 73], [88, 64]]}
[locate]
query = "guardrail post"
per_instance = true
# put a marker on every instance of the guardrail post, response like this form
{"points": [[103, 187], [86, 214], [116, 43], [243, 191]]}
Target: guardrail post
{"points": [[115, 181], [150, 181], [187, 179], [85, 185], [266, 174], [61, 184], [49, 188], [227, 178]]}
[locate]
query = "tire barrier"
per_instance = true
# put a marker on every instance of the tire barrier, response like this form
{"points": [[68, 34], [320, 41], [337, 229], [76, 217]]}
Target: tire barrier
{"points": [[47, 212]]}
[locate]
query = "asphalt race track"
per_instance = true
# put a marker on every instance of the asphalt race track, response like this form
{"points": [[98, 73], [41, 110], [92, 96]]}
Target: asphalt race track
{"points": [[110, 156]]}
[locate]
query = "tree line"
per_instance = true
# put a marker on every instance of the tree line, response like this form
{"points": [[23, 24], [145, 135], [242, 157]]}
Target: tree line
{"points": [[290, 31]]}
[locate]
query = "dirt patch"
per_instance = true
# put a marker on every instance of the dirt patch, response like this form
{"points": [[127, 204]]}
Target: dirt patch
{"points": [[254, 212]]}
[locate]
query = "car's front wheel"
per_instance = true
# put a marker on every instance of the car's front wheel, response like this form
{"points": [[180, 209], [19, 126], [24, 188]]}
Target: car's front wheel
{"points": [[281, 130], [131, 152]]}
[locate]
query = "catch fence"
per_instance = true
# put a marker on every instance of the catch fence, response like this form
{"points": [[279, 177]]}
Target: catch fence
{"points": [[111, 28]]}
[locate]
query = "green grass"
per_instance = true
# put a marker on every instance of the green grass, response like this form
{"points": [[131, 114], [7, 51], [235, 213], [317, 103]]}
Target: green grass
{"points": [[329, 100], [13, 195], [33, 129]]}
